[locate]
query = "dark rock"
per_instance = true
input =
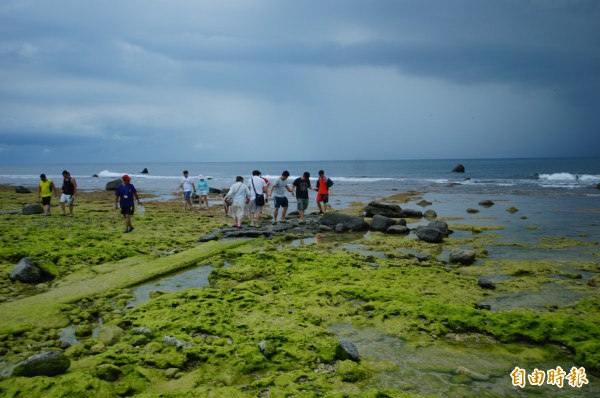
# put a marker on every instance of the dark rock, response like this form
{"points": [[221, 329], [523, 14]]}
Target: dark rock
{"points": [[486, 307], [21, 189], [347, 350], [430, 214], [441, 225], [424, 203], [486, 284], [464, 257], [32, 208], [410, 213], [112, 185], [145, 171], [50, 363], [214, 191], [424, 257], [459, 168], [95, 176], [486, 203], [353, 223], [392, 211], [598, 186], [267, 348], [430, 235], [340, 228], [381, 223], [108, 372], [398, 229], [512, 210], [471, 210], [27, 271]]}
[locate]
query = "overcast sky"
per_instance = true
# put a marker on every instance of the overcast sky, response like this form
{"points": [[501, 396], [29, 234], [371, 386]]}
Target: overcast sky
{"points": [[228, 80]]}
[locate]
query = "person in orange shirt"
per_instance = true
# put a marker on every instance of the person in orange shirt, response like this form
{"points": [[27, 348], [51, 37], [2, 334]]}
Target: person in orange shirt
{"points": [[323, 185]]}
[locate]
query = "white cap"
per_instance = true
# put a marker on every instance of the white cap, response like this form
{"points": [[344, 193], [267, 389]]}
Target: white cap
{"points": [[201, 177]]}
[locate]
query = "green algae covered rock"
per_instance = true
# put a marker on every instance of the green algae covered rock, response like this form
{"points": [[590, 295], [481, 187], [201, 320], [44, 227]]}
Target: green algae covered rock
{"points": [[50, 363]]}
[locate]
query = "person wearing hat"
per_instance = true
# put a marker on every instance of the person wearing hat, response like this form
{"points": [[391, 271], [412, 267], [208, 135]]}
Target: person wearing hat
{"points": [[45, 191], [202, 190], [124, 195], [69, 190]]}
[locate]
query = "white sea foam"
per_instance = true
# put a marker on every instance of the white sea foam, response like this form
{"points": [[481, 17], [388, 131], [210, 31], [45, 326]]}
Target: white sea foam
{"points": [[569, 177]]}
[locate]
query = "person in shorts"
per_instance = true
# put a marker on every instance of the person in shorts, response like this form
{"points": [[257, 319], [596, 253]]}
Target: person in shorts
{"points": [[124, 198], [46, 190], [278, 188], [323, 185], [202, 190], [187, 185], [69, 191], [257, 187], [302, 185]]}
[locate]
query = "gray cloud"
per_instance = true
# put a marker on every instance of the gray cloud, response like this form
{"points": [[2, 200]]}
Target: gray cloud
{"points": [[158, 80]]}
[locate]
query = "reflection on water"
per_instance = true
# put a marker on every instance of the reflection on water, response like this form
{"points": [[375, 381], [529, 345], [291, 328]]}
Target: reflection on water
{"points": [[551, 294], [439, 368], [194, 278]]}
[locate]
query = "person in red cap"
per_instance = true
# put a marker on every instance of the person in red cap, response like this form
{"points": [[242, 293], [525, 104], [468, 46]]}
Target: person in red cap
{"points": [[126, 192]]}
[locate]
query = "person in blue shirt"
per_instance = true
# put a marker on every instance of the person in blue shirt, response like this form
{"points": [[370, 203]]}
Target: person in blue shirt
{"points": [[202, 189], [124, 198]]}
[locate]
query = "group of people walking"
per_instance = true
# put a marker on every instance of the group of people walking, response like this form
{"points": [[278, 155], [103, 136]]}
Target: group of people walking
{"points": [[256, 193], [253, 195]]}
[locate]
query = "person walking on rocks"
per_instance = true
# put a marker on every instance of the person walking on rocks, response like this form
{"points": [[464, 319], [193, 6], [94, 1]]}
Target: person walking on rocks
{"points": [[323, 185], [124, 198], [202, 190], [46, 190], [187, 185], [302, 185], [278, 188], [239, 193], [69, 191], [258, 188]]}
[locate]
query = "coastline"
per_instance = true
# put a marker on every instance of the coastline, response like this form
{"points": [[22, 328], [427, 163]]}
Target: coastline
{"points": [[276, 291]]}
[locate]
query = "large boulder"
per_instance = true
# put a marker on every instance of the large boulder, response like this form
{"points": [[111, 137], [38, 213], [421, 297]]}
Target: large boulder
{"points": [[27, 271], [430, 235], [32, 208], [441, 225], [374, 208], [49, 363], [350, 222], [398, 229], [145, 171], [410, 213], [381, 223], [464, 257], [214, 191], [22, 189], [459, 168], [112, 185]]}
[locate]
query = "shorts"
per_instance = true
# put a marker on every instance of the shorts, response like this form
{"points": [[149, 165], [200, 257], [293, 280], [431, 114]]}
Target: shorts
{"points": [[203, 193], [187, 195], [323, 197], [68, 199], [302, 204], [127, 210], [254, 208], [46, 200], [281, 202]]}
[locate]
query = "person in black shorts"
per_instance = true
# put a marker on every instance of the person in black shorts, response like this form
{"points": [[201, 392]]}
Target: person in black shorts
{"points": [[124, 198]]}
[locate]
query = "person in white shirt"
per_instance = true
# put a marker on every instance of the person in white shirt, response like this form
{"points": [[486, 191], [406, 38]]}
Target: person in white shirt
{"points": [[187, 185], [258, 188]]}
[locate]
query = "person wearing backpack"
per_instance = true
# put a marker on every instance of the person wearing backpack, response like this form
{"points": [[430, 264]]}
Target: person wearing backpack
{"points": [[323, 185]]}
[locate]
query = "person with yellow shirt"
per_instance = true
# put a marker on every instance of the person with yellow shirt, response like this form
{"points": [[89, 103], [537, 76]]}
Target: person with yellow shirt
{"points": [[46, 190]]}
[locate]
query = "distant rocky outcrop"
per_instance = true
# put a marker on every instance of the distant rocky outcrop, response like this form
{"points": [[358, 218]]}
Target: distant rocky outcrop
{"points": [[49, 363], [145, 171], [27, 271], [459, 168], [112, 185]]}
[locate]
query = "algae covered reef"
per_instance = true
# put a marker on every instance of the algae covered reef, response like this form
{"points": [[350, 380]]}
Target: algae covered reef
{"points": [[278, 313]]}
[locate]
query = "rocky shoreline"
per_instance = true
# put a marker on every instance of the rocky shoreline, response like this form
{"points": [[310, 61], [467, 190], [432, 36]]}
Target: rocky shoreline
{"points": [[265, 325]]}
